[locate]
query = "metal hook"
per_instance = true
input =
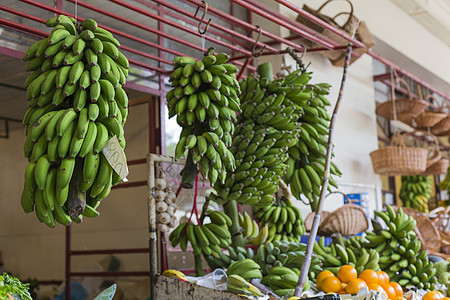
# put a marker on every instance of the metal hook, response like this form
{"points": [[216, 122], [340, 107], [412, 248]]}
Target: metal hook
{"points": [[256, 42], [203, 18]]}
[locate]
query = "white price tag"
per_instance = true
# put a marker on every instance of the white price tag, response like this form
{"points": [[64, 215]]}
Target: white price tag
{"points": [[116, 157]]}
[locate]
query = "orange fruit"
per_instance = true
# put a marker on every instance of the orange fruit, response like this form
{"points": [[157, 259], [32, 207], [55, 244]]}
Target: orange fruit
{"points": [[378, 288], [343, 289], [322, 275], [390, 291], [400, 298], [355, 285], [433, 295], [383, 278], [369, 276], [347, 273], [331, 284], [398, 288]]}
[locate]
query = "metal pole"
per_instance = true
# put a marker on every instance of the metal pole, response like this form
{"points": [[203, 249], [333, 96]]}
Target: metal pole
{"points": [[315, 225], [153, 242], [68, 265]]}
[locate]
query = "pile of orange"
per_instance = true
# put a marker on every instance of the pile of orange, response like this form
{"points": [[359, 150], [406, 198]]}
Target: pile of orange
{"points": [[348, 282]]}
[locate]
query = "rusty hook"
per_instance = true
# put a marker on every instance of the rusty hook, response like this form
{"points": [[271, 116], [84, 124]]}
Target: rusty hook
{"points": [[203, 18], [256, 43]]}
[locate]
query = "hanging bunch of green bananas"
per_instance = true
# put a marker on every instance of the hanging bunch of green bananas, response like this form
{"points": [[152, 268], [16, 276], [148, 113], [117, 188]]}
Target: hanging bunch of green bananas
{"points": [[306, 163], [283, 219], [346, 252], [225, 260], [207, 238], [205, 99], [266, 128], [445, 185], [415, 192], [76, 103], [287, 254], [399, 249]]}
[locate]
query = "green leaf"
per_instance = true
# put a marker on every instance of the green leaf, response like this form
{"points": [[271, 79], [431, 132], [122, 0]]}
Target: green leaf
{"points": [[107, 294]]}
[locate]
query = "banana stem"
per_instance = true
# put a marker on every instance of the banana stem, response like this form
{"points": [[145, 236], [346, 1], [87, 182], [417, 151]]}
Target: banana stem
{"points": [[265, 71], [231, 211], [198, 265], [315, 226]]}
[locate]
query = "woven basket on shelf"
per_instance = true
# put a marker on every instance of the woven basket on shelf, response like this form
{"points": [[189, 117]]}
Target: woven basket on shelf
{"points": [[430, 118], [439, 167], [406, 109], [442, 128], [347, 220], [397, 159]]}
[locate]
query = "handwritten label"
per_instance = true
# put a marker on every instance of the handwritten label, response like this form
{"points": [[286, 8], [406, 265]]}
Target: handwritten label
{"points": [[116, 157]]}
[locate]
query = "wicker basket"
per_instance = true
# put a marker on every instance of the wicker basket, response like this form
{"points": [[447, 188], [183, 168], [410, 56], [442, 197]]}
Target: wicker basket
{"points": [[406, 109], [442, 128], [310, 218], [430, 118], [439, 167], [350, 219], [397, 159], [434, 152], [441, 219]]}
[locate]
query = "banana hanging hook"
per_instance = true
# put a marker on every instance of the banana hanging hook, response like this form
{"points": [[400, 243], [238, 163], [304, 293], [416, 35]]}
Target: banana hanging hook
{"points": [[256, 43], [203, 18]]}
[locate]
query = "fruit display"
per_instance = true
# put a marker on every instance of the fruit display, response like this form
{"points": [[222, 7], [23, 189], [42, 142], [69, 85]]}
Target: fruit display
{"points": [[415, 192], [205, 99], [165, 203], [283, 220], [284, 253], [207, 238], [76, 103], [264, 130], [347, 281], [346, 251], [246, 268], [283, 280], [238, 285], [399, 248]]}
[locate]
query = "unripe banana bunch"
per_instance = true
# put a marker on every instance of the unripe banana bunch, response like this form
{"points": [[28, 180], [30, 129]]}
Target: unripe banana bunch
{"points": [[225, 260], [399, 249], [284, 222], [239, 286], [283, 281], [246, 268], [205, 99], [250, 227], [165, 206], [415, 192], [266, 128], [346, 252], [284, 253], [306, 161], [76, 103], [207, 238]]}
